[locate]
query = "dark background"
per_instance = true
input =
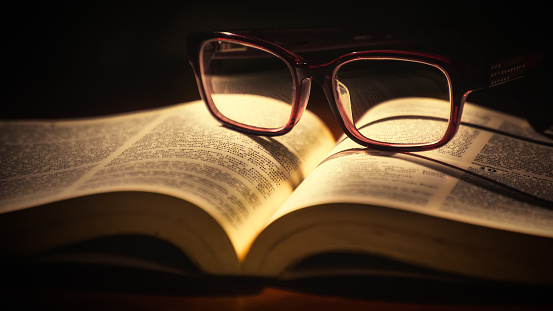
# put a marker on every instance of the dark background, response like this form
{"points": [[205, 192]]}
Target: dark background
{"points": [[92, 58], [80, 59]]}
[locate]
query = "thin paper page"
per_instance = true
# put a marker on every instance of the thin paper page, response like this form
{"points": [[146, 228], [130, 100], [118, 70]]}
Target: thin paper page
{"points": [[417, 182], [40, 160], [182, 151]]}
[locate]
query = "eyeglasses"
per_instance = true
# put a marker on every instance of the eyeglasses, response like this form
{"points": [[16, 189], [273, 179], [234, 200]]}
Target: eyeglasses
{"points": [[386, 99]]}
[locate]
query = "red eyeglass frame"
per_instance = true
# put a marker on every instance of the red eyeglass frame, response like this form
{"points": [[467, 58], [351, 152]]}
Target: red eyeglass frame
{"points": [[464, 76]]}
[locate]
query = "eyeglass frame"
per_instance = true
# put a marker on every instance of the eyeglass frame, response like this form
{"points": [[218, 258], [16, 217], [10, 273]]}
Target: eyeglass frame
{"points": [[464, 77]]}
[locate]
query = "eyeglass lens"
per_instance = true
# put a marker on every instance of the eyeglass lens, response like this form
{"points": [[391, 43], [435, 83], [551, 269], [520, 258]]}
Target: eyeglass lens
{"points": [[246, 84], [394, 101]]}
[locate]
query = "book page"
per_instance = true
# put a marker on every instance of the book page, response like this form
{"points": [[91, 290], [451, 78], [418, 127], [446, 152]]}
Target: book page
{"points": [[181, 151], [496, 172], [41, 159]]}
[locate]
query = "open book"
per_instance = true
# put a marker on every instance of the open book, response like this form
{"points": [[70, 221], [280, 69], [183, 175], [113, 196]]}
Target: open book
{"points": [[238, 204]]}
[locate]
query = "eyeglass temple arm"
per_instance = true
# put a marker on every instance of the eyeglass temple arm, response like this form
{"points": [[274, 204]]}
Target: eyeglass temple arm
{"points": [[505, 70], [538, 65]]}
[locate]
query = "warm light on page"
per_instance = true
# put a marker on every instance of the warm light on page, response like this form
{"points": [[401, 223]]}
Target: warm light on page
{"points": [[239, 107], [406, 120]]}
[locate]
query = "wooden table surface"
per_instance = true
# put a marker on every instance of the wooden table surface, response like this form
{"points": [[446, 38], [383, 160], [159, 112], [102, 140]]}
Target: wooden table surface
{"points": [[268, 299], [63, 287]]}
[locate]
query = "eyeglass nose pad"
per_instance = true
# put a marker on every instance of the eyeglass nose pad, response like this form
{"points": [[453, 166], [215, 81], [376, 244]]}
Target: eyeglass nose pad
{"points": [[345, 100], [304, 96]]}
